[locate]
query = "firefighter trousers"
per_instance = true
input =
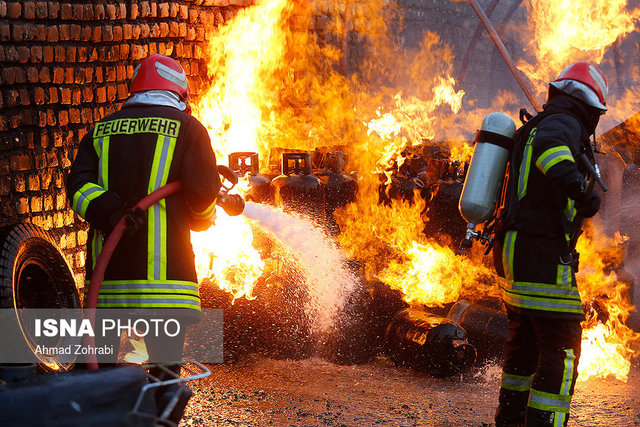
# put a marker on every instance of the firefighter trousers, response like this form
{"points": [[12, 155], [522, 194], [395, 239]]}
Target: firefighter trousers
{"points": [[540, 369]]}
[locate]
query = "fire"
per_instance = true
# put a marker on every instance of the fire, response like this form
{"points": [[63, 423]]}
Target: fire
{"points": [[607, 343], [567, 31], [225, 256]]}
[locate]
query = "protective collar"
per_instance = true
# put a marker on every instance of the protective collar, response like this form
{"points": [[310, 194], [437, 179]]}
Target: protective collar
{"points": [[156, 97]]}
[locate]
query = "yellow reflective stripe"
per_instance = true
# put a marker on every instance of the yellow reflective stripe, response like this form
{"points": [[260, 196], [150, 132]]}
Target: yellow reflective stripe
{"points": [[205, 214], [157, 214], [516, 382], [545, 304], [96, 247], [97, 146], [549, 401], [525, 166], [103, 173], [542, 289], [146, 305], [508, 249], [570, 211], [564, 276], [558, 419], [567, 375], [553, 156], [83, 197]]}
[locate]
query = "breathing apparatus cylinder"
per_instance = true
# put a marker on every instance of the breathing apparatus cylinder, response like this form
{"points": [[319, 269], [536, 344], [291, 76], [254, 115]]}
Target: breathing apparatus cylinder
{"points": [[482, 184]]}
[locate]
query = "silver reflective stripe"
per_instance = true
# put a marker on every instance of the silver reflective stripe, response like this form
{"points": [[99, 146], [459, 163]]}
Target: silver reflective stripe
{"points": [[565, 276], [86, 194], [549, 402], [149, 286], [511, 383], [159, 212], [518, 287], [567, 376], [115, 299], [530, 302]]}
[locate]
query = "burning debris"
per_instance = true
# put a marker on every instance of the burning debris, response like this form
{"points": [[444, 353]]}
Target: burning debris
{"points": [[359, 155]]}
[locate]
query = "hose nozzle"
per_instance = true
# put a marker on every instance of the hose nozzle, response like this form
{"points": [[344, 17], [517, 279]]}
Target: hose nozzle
{"points": [[233, 204]]}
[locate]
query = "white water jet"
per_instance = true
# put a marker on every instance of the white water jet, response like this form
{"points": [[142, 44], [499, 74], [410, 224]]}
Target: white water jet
{"points": [[328, 280]]}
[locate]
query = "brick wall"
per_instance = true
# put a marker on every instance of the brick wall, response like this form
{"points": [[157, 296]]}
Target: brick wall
{"points": [[65, 65]]}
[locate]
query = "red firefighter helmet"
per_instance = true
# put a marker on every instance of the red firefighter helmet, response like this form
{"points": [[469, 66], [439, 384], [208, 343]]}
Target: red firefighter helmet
{"points": [[159, 72], [585, 82]]}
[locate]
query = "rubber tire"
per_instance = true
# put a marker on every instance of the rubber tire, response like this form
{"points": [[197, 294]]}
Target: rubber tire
{"points": [[34, 273]]}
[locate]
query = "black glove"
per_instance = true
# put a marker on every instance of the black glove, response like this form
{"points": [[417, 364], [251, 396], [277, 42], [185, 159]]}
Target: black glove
{"points": [[588, 205], [134, 218]]}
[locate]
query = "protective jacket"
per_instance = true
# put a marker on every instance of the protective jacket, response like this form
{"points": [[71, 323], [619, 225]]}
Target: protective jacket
{"points": [[548, 180], [125, 157]]}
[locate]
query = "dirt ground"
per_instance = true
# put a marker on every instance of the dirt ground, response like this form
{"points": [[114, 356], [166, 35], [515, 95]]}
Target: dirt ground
{"points": [[257, 391]]}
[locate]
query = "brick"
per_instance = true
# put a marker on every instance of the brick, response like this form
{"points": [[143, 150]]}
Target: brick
{"points": [[85, 34], [117, 33], [127, 31], [29, 10], [98, 12], [19, 183], [182, 29], [61, 202], [5, 185], [88, 12], [3, 9], [107, 33], [75, 32], [163, 11], [64, 32], [17, 32], [111, 12], [88, 74], [71, 54], [32, 75], [191, 34], [68, 75], [21, 162], [193, 16], [33, 182], [87, 94], [58, 75], [155, 31], [133, 11], [174, 29], [121, 73], [41, 33], [48, 203], [52, 34], [122, 11], [145, 9], [74, 115], [8, 75], [97, 34], [184, 12], [76, 97], [136, 31], [78, 12], [65, 95], [11, 98], [42, 11], [144, 31], [99, 74], [5, 32], [36, 54], [164, 29], [54, 9], [53, 95], [112, 93], [63, 117], [154, 10], [60, 53], [83, 54], [82, 237], [36, 204], [23, 54], [14, 10], [123, 91], [173, 9], [87, 115], [29, 32], [48, 53], [51, 118], [38, 96], [80, 76]]}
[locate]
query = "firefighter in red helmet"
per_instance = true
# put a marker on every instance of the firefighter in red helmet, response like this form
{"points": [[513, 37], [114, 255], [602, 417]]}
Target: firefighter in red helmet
{"points": [[535, 252], [150, 142]]}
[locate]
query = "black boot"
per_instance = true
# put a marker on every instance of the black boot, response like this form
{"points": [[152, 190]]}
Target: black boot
{"points": [[539, 418]]}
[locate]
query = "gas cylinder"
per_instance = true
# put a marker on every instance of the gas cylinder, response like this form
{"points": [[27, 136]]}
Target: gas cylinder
{"points": [[246, 164], [428, 343], [487, 329], [486, 172], [339, 187], [298, 189]]}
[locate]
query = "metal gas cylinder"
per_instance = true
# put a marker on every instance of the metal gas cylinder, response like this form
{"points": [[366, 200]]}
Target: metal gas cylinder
{"points": [[339, 187], [298, 189], [246, 164], [487, 329], [428, 343]]}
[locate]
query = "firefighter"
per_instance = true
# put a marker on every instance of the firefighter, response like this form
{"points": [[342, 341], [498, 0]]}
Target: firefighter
{"points": [[550, 196], [151, 141]]}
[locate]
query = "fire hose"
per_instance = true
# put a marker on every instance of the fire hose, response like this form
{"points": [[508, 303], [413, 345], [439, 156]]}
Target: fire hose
{"points": [[232, 204]]}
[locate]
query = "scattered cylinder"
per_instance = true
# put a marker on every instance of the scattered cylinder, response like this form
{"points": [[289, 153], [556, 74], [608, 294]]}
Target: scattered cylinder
{"points": [[428, 343], [247, 164], [298, 189], [340, 188], [487, 329]]}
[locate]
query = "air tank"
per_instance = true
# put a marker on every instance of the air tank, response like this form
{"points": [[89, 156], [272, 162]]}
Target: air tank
{"points": [[298, 189], [486, 172], [428, 343], [247, 164]]}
